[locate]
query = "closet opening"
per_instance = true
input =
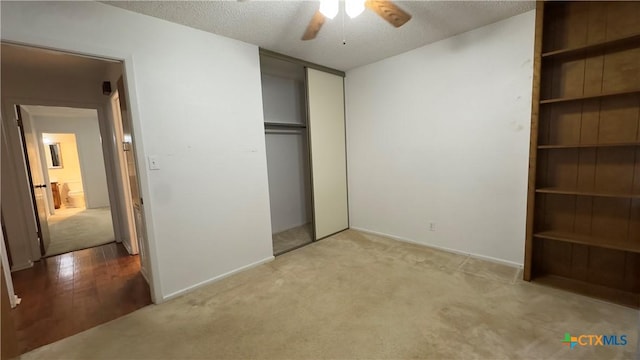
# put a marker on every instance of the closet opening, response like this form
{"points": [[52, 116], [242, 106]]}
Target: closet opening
{"points": [[287, 150]]}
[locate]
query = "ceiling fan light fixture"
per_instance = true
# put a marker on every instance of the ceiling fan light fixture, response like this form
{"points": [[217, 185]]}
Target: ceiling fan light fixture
{"points": [[354, 8], [329, 8]]}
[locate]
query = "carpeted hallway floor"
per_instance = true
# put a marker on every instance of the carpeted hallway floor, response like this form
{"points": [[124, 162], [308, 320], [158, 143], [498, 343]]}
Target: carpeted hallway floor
{"points": [[74, 229], [355, 295]]}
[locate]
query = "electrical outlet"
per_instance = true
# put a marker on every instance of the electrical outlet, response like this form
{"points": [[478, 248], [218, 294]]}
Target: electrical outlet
{"points": [[432, 226], [154, 163]]}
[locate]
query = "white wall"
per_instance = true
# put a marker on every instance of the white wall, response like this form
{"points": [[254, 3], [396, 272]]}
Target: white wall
{"points": [[441, 134], [196, 105], [89, 147], [287, 155], [288, 164], [283, 100]]}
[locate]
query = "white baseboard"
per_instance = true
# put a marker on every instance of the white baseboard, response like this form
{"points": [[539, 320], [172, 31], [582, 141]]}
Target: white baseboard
{"points": [[18, 267], [476, 256], [127, 247], [143, 271], [217, 278]]}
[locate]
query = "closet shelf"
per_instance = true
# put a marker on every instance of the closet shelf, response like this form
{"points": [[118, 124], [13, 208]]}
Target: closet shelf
{"points": [[588, 240], [564, 191], [602, 45], [587, 97], [574, 146]]}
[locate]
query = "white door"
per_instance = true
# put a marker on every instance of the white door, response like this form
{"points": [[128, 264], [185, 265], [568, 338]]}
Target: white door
{"points": [[131, 164], [130, 238], [36, 178], [325, 93]]}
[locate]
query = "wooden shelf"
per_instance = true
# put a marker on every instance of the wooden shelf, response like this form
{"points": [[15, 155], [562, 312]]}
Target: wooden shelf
{"points": [[618, 296], [575, 146], [586, 97], [562, 191], [626, 40], [588, 240]]}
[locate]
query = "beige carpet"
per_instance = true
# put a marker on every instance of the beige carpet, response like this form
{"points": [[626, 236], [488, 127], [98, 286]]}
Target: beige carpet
{"points": [[359, 296], [75, 229], [292, 238]]}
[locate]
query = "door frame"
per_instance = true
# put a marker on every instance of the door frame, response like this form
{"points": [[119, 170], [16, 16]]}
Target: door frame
{"points": [[6, 271]]}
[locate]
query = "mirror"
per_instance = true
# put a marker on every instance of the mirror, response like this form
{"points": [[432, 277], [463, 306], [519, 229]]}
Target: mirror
{"points": [[54, 157]]}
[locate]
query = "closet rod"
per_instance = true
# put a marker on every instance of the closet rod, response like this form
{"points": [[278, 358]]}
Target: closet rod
{"points": [[285, 125], [284, 131]]}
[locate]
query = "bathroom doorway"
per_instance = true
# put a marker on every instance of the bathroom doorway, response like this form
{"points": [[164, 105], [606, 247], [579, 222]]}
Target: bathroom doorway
{"points": [[74, 181], [67, 189]]}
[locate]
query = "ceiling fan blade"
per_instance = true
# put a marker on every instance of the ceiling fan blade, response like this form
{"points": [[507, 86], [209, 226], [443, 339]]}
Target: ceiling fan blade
{"points": [[389, 11], [314, 26]]}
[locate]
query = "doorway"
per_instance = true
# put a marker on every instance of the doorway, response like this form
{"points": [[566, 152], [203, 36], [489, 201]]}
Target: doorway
{"points": [[70, 158], [66, 185]]}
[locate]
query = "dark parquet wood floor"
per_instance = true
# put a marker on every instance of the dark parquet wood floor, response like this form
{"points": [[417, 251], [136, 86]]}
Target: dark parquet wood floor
{"points": [[69, 293]]}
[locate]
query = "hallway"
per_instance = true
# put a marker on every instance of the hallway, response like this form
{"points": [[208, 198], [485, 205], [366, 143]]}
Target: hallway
{"points": [[67, 294], [74, 229]]}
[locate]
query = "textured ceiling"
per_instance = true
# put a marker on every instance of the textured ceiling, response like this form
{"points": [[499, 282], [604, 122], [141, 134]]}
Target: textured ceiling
{"points": [[278, 25]]}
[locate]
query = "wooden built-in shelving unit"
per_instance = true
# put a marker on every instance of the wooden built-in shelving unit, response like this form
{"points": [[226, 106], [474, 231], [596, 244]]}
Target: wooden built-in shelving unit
{"points": [[583, 218]]}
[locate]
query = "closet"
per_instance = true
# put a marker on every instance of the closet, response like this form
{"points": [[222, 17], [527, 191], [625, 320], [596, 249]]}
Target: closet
{"points": [[303, 106]]}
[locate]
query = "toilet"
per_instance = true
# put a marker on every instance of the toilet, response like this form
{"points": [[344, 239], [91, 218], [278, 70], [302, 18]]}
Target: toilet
{"points": [[74, 197]]}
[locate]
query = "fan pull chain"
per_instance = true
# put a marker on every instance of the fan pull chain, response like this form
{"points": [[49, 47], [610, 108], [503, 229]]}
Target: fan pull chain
{"points": [[344, 38]]}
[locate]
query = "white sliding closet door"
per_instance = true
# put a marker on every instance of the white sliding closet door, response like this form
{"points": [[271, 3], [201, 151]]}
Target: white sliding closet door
{"points": [[328, 152]]}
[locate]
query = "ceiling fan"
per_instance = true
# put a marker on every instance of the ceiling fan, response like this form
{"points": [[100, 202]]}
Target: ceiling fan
{"points": [[386, 9]]}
